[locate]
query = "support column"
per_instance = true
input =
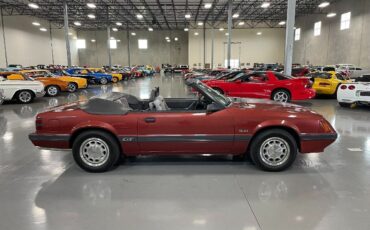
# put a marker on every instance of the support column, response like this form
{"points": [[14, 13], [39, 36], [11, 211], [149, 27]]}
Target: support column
{"points": [[204, 45], [51, 44], [3, 28], [128, 47], [108, 48], [212, 46], [289, 37], [229, 24], [68, 47]]}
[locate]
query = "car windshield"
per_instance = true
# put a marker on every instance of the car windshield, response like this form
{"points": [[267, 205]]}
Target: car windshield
{"points": [[236, 77], [213, 95]]}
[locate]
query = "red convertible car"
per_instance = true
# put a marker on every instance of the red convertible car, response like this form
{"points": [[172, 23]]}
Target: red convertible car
{"points": [[101, 130], [267, 85]]}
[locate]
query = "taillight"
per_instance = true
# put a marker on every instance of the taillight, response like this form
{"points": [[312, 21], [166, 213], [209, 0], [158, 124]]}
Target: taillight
{"points": [[343, 87], [351, 87]]}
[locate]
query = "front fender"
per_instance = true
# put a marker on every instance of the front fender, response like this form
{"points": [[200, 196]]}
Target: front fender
{"points": [[276, 123]]}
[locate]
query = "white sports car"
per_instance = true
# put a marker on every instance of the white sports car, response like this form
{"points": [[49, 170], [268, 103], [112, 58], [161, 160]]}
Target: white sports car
{"points": [[22, 91], [356, 92]]}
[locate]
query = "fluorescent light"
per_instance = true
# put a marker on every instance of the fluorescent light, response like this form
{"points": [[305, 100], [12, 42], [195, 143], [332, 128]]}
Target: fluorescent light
{"points": [[36, 23], [33, 5], [70, 33], [186, 29], [207, 5], [167, 38], [118, 40], [241, 23], [176, 39], [139, 16], [77, 23], [330, 15], [118, 23], [187, 16], [112, 38], [91, 16], [133, 34], [282, 23], [91, 5], [115, 29], [93, 40], [221, 29], [265, 5], [227, 34], [324, 4], [43, 29], [200, 23], [75, 38], [196, 33], [150, 29], [236, 15], [259, 33]]}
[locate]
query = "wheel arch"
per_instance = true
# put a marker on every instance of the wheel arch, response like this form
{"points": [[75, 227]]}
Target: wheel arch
{"points": [[20, 90], [280, 88]]}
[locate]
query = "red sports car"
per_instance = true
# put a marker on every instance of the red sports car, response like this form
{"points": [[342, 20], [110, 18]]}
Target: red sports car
{"points": [[267, 85], [101, 130]]}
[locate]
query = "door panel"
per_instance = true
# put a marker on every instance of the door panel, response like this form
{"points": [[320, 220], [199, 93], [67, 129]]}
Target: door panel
{"points": [[185, 132]]}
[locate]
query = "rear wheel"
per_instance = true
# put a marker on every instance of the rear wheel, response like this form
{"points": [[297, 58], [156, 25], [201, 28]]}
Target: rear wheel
{"points": [[281, 95], [274, 150], [52, 90], [115, 79], [24, 96], [96, 151], [72, 87], [345, 105], [103, 81]]}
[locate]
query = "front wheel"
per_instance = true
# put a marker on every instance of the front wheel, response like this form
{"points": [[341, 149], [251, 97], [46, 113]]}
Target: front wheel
{"points": [[281, 96], [274, 150], [96, 151], [103, 81], [115, 80], [24, 97]]}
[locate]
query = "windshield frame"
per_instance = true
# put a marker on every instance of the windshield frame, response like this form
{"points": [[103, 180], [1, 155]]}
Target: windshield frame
{"points": [[210, 93]]}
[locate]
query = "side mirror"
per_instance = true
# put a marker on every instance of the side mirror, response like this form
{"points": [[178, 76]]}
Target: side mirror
{"points": [[214, 107], [238, 81]]}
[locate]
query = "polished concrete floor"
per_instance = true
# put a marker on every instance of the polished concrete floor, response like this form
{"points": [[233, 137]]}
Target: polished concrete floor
{"points": [[43, 189]]}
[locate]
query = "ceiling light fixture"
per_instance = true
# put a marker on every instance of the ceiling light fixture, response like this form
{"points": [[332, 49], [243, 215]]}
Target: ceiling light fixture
{"points": [[241, 23], [93, 40], [43, 29], [282, 23], [118, 23], [227, 34], [207, 5], [324, 4], [176, 39], [330, 15], [236, 15], [259, 33], [112, 38], [186, 29], [150, 29], [133, 34], [187, 16], [33, 5], [221, 29], [167, 38], [139, 16], [115, 29], [36, 23], [91, 5], [118, 40], [200, 23], [70, 33], [77, 23], [91, 16], [265, 5], [196, 33]]}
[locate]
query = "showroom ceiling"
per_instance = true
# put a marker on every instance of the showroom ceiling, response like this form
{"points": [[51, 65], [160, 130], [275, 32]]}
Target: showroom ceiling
{"points": [[160, 14]]}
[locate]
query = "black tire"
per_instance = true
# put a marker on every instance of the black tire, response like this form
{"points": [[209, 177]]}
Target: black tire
{"points": [[218, 90], [72, 87], [334, 95], [24, 96], [258, 148], [107, 143], [345, 105], [103, 81], [114, 79], [285, 95], [52, 90]]}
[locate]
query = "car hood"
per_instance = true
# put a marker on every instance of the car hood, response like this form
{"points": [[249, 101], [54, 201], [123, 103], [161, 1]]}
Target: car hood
{"points": [[269, 106]]}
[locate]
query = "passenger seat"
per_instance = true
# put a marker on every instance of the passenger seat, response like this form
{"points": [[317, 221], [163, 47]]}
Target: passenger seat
{"points": [[159, 104]]}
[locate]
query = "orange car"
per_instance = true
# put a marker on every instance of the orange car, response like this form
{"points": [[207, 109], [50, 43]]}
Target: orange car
{"points": [[53, 86]]}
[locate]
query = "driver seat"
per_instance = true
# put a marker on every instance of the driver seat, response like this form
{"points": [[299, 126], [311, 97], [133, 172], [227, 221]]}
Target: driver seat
{"points": [[159, 104]]}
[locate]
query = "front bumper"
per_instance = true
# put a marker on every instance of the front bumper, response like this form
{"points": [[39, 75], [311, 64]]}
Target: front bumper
{"points": [[317, 142]]}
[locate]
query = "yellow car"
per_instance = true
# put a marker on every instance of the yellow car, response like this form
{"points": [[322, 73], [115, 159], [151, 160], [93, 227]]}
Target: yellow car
{"points": [[327, 82], [74, 82], [115, 76]]}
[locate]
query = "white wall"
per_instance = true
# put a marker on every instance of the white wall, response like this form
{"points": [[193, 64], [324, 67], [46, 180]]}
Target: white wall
{"points": [[266, 48], [336, 46], [27, 45]]}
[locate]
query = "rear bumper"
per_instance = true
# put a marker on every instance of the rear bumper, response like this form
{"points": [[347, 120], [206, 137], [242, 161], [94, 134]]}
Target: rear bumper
{"points": [[59, 141], [304, 94], [40, 94], [316, 142]]}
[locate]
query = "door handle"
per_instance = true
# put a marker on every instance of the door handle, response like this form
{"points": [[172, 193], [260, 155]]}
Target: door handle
{"points": [[149, 119]]}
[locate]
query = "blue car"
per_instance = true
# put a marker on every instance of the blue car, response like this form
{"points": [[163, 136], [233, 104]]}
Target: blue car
{"points": [[92, 77]]}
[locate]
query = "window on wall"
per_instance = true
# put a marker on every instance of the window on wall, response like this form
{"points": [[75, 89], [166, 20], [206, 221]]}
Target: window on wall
{"points": [[113, 44], [317, 29], [81, 44], [143, 43], [234, 63], [345, 21], [297, 34]]}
